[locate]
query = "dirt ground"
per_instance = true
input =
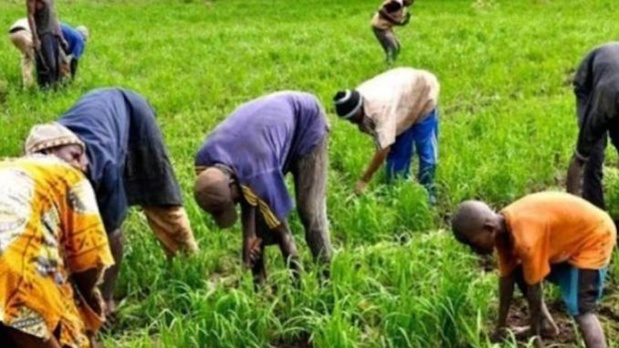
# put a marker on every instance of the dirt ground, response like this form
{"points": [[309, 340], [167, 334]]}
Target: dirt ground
{"points": [[608, 312], [299, 342]]}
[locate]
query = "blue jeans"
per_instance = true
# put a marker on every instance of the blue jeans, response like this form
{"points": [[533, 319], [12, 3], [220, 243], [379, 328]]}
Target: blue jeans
{"points": [[423, 137]]}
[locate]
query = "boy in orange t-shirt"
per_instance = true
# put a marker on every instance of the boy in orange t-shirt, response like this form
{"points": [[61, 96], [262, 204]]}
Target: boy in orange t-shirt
{"points": [[550, 235]]}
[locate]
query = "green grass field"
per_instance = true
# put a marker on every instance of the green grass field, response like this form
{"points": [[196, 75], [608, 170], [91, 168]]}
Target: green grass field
{"points": [[399, 279]]}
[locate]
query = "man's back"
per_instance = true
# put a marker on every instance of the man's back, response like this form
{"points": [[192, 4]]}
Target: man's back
{"points": [[266, 132], [397, 99], [599, 68], [555, 227]]}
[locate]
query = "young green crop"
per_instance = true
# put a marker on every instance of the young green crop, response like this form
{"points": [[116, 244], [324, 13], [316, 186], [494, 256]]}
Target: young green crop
{"points": [[399, 279]]}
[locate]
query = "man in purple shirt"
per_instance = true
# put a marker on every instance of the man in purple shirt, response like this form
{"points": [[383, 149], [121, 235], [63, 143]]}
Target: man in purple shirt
{"points": [[245, 160]]}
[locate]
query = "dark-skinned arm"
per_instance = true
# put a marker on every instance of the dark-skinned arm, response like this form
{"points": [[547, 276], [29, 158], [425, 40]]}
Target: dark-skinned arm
{"points": [[31, 8], [377, 160], [385, 15], [86, 282], [506, 295], [288, 248], [92, 307], [251, 243], [535, 298], [574, 175], [407, 18]]}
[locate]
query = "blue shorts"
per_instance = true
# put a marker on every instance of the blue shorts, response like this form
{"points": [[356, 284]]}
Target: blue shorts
{"points": [[581, 289]]}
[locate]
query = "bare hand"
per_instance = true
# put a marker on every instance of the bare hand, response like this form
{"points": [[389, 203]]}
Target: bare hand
{"points": [[36, 43], [252, 251], [499, 334], [360, 187]]}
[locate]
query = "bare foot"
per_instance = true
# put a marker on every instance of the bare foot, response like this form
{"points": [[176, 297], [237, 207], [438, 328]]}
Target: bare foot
{"points": [[549, 330]]}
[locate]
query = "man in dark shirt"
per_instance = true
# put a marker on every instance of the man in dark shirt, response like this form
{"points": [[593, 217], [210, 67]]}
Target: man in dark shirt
{"points": [[128, 165], [596, 86], [47, 39]]}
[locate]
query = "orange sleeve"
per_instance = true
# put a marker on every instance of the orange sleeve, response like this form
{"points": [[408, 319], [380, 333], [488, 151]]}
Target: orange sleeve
{"points": [[535, 269]]}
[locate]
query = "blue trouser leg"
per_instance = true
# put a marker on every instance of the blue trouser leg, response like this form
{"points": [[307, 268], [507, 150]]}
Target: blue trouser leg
{"points": [[426, 143], [422, 137], [400, 156]]}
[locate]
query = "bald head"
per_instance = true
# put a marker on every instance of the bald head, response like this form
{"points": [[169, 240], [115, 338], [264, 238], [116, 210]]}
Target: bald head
{"points": [[213, 194], [470, 219]]}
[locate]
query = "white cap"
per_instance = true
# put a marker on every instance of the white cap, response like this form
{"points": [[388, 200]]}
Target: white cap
{"points": [[84, 31]]}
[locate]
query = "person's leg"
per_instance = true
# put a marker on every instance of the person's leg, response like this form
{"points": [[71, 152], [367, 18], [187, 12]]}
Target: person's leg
{"points": [[310, 179], [592, 189], [398, 165], [172, 228], [393, 48], [23, 41], [259, 270], [27, 68], [50, 57], [388, 42], [116, 241], [23, 340], [398, 47], [426, 142], [74, 64], [288, 248], [591, 330], [64, 67], [57, 56], [590, 283], [41, 70]]}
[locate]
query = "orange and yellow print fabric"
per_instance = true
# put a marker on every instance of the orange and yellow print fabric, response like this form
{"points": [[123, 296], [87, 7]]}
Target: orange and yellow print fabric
{"points": [[50, 228]]}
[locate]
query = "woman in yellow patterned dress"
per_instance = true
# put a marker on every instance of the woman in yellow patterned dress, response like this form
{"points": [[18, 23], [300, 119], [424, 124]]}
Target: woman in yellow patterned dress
{"points": [[53, 247]]}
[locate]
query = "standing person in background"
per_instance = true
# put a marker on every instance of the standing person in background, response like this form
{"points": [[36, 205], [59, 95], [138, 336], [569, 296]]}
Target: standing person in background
{"points": [[398, 109], [596, 87], [46, 40], [391, 13]]}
